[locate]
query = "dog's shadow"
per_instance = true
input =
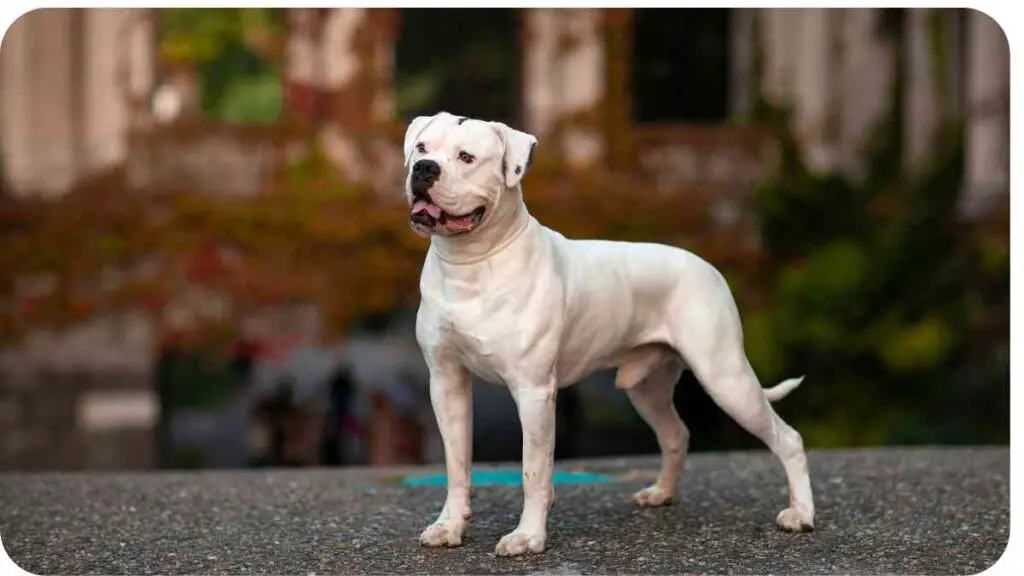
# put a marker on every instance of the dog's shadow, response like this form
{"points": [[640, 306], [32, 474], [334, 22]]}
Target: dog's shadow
{"points": [[580, 512]]}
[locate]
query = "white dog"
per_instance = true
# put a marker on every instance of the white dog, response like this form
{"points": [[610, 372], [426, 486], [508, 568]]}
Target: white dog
{"points": [[519, 304]]}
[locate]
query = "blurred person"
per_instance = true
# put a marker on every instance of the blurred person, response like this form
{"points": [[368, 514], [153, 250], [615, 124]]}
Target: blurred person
{"points": [[274, 411], [338, 424], [292, 403], [393, 394]]}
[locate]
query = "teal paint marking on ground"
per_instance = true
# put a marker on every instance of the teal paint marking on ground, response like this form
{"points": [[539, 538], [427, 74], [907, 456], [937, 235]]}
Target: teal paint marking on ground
{"points": [[507, 478]]}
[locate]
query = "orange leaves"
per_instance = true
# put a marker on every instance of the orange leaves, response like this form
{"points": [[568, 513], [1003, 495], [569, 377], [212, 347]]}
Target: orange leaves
{"points": [[329, 243], [204, 265]]}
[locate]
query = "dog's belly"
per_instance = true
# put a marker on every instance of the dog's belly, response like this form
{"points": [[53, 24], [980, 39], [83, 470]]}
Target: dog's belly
{"points": [[582, 356], [598, 334]]}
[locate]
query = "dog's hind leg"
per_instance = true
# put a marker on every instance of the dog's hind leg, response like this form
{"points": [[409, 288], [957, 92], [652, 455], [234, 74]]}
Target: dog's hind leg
{"points": [[652, 398], [728, 378]]}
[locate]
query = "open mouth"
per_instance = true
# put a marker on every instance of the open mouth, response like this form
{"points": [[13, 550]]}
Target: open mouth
{"points": [[426, 213]]}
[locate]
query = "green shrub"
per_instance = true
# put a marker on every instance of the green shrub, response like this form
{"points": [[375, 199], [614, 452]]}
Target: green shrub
{"points": [[869, 298]]}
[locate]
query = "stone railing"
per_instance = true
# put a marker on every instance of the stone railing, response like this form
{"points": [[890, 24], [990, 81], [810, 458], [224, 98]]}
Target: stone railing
{"points": [[243, 160], [731, 157], [74, 420], [214, 158]]}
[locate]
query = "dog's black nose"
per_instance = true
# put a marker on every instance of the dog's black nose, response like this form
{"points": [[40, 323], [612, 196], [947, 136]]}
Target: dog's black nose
{"points": [[426, 171]]}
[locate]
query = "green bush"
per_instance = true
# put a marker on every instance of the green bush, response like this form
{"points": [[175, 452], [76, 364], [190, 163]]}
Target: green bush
{"points": [[869, 296]]}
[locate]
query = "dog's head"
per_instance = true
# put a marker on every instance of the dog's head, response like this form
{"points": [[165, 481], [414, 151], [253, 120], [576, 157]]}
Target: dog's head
{"points": [[458, 169]]}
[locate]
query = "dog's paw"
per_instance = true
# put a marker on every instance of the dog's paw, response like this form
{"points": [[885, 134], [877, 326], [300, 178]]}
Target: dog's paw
{"points": [[448, 534], [795, 519], [518, 543], [652, 496]]}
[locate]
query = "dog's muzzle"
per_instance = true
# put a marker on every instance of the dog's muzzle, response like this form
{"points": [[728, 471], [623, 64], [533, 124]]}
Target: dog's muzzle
{"points": [[425, 212], [424, 174]]}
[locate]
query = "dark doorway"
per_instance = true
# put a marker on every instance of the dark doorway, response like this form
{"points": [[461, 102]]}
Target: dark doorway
{"points": [[464, 61], [681, 64]]}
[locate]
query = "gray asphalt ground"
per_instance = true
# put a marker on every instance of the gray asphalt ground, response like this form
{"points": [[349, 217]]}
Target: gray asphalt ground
{"points": [[922, 511]]}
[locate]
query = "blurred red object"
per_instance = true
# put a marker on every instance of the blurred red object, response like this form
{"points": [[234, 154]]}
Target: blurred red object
{"points": [[304, 101], [395, 439]]}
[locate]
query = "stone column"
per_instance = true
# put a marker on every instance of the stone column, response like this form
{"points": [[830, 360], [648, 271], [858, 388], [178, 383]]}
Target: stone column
{"points": [[954, 24], [121, 93], [742, 38], [988, 113], [16, 72], [583, 84], [814, 98], [564, 81], [342, 67], [54, 142], [304, 68], [799, 71], [342, 28], [385, 37], [866, 80], [923, 116], [40, 141], [107, 39], [620, 142], [780, 33], [67, 79], [358, 70], [139, 57], [540, 71], [388, 159]]}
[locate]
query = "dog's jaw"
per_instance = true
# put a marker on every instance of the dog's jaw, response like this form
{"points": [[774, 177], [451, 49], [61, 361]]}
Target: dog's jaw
{"points": [[427, 218], [500, 224]]}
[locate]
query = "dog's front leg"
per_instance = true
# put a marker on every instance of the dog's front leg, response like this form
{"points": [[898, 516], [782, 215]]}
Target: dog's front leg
{"points": [[450, 395], [537, 416]]}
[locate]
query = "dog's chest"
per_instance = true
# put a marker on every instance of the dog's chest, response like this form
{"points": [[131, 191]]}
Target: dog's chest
{"points": [[484, 343], [488, 315]]}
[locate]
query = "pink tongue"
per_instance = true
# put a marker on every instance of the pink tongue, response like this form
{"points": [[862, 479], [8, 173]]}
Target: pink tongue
{"points": [[421, 205], [460, 224]]}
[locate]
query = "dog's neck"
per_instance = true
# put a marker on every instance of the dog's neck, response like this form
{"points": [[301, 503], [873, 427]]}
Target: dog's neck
{"points": [[507, 222]]}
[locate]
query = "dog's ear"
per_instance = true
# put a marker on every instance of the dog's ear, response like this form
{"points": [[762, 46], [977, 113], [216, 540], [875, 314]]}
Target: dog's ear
{"points": [[519, 148], [412, 133]]}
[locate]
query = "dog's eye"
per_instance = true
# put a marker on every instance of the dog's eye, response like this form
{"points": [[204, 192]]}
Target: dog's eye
{"points": [[421, 148], [466, 157]]}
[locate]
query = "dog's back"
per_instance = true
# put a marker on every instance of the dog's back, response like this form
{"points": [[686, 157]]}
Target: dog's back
{"points": [[617, 292], [649, 273]]}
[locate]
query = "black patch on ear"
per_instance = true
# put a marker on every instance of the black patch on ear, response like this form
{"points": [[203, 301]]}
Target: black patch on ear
{"points": [[529, 157], [529, 160]]}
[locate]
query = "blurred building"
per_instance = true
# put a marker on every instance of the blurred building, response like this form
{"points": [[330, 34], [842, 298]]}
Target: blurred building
{"points": [[84, 92], [74, 82], [79, 84]]}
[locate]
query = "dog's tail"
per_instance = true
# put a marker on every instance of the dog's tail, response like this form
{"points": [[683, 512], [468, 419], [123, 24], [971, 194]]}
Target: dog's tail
{"points": [[782, 389]]}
